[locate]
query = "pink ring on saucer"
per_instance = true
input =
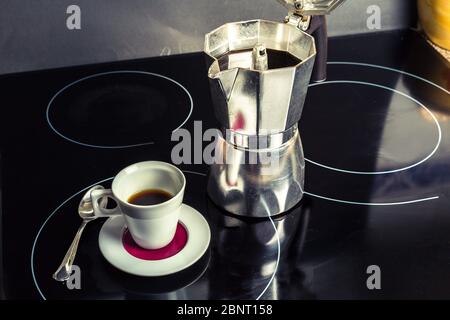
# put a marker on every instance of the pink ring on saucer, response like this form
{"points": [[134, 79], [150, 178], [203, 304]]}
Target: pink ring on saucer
{"points": [[176, 245], [198, 236]]}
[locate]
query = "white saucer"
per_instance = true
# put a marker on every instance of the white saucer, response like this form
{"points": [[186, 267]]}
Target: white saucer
{"points": [[199, 235]]}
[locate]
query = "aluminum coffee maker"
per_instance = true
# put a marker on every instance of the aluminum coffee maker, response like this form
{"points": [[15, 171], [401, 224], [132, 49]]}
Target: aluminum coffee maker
{"points": [[259, 73]]}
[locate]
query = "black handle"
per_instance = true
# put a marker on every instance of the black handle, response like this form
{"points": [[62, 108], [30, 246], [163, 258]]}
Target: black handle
{"points": [[318, 29]]}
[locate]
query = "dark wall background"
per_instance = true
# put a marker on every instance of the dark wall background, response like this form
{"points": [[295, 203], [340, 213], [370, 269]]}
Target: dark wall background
{"points": [[33, 33]]}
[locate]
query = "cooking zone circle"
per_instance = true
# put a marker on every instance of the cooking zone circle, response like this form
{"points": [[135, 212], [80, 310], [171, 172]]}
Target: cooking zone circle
{"points": [[396, 150], [51, 222], [119, 109]]}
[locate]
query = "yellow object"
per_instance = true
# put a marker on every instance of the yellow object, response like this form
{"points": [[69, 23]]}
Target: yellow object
{"points": [[434, 17]]}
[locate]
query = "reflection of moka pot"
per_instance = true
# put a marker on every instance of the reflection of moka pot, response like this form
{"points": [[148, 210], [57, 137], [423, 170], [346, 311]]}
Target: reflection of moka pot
{"points": [[259, 76], [247, 253]]}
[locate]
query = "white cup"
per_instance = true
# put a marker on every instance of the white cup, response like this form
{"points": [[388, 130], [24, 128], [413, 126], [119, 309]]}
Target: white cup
{"points": [[151, 226]]}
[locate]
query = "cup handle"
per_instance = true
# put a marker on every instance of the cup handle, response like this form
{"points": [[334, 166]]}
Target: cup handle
{"points": [[99, 211]]}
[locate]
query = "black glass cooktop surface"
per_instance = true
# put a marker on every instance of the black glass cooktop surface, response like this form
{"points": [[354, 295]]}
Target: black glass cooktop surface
{"points": [[377, 187], [119, 109]]}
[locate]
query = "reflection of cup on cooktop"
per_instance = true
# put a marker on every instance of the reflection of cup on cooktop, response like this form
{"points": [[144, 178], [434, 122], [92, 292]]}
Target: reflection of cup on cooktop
{"points": [[119, 109]]}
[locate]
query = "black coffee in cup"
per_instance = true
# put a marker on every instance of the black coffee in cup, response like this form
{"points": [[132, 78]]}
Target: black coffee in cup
{"points": [[149, 197]]}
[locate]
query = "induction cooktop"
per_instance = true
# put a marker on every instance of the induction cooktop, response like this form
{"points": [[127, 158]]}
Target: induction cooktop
{"points": [[376, 141]]}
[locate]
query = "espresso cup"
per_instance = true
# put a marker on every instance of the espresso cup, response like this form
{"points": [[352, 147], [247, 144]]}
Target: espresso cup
{"points": [[151, 226]]}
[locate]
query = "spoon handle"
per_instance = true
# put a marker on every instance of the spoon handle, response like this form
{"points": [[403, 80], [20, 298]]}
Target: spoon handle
{"points": [[65, 269]]}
